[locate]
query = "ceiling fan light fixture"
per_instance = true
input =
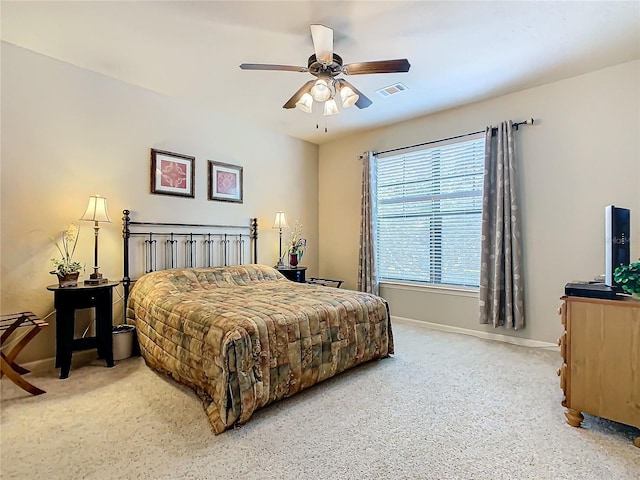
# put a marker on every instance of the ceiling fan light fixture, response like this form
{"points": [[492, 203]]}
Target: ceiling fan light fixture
{"points": [[305, 103], [320, 90], [348, 96], [325, 65], [330, 107]]}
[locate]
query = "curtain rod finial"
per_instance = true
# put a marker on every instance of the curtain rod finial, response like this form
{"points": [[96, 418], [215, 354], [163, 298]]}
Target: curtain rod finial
{"points": [[529, 122]]}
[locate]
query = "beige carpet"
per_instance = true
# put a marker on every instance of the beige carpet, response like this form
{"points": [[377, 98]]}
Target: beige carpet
{"points": [[446, 406]]}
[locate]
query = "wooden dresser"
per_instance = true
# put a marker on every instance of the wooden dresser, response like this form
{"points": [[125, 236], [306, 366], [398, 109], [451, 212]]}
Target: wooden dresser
{"points": [[601, 351]]}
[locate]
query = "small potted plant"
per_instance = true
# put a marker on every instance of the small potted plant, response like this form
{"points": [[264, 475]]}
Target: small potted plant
{"points": [[67, 269], [628, 277], [297, 245]]}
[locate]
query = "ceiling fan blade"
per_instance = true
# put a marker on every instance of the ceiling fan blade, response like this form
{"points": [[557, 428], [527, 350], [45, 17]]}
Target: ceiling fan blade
{"points": [[322, 43], [291, 103], [382, 66], [363, 102], [264, 66]]}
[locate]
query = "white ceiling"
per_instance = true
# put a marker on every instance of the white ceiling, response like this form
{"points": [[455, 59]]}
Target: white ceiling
{"points": [[460, 52]]}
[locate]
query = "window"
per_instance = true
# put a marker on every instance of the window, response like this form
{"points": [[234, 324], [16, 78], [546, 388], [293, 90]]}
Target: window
{"points": [[429, 213]]}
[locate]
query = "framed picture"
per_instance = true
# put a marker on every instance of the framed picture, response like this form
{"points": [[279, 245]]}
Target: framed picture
{"points": [[225, 182], [172, 173]]}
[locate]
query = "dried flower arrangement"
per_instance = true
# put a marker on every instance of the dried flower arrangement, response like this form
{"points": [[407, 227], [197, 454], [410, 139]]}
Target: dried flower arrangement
{"points": [[297, 244], [66, 245]]}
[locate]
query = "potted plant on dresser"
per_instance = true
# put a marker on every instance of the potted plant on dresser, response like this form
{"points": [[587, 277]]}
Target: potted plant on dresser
{"points": [[66, 269]]}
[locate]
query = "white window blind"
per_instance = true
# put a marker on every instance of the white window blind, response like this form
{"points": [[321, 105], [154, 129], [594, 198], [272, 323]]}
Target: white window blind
{"points": [[429, 211]]}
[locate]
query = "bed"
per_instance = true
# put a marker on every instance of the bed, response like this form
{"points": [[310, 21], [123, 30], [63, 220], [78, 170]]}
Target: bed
{"points": [[243, 336]]}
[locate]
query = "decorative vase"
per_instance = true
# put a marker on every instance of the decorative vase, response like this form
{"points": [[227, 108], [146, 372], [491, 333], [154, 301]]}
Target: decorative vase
{"points": [[293, 259], [68, 279]]}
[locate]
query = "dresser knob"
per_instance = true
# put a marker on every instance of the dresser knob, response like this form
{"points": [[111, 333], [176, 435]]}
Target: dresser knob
{"points": [[559, 372]]}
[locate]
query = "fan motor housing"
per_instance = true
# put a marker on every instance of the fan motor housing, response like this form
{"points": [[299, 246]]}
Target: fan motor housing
{"points": [[320, 69]]}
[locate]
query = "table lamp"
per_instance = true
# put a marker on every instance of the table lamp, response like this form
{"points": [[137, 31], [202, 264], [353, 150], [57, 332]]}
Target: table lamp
{"points": [[280, 223], [96, 212]]}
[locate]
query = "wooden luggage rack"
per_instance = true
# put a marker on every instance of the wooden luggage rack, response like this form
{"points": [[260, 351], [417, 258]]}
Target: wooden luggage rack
{"points": [[327, 282], [8, 324]]}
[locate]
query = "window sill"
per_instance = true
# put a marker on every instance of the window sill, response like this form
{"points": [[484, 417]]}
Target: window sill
{"points": [[437, 289]]}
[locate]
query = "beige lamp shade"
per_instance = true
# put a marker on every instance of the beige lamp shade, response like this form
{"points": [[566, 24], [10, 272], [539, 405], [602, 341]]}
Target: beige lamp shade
{"points": [[96, 210], [281, 220]]}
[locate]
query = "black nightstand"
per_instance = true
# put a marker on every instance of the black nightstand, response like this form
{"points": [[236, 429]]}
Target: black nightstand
{"points": [[69, 299], [295, 274]]}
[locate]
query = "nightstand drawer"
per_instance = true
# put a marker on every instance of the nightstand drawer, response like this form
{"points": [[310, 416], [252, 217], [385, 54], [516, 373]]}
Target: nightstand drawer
{"points": [[295, 274], [81, 299]]}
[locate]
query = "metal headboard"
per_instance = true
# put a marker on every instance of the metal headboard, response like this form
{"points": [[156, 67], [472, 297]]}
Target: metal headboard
{"points": [[218, 245]]}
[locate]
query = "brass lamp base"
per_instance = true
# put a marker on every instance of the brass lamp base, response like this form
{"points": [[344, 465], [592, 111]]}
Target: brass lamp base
{"points": [[96, 279]]}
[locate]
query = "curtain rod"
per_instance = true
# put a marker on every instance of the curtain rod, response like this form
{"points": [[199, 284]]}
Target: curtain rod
{"points": [[494, 130]]}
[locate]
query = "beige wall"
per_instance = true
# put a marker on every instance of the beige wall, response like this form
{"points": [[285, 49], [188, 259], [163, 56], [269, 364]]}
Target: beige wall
{"points": [[582, 154], [68, 133]]}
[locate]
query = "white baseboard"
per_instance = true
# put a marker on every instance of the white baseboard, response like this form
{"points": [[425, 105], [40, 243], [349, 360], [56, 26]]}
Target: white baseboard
{"points": [[524, 342]]}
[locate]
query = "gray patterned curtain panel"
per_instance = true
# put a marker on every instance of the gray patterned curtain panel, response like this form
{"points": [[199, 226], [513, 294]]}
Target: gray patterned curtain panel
{"points": [[367, 276], [501, 275]]}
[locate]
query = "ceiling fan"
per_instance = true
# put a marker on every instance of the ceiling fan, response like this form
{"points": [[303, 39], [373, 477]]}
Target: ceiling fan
{"points": [[326, 66]]}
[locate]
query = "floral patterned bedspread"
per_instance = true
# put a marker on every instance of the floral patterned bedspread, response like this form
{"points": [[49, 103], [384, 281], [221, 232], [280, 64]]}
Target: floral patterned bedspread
{"points": [[245, 336]]}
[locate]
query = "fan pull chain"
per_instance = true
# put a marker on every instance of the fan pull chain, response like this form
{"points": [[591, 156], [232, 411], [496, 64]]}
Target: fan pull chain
{"points": [[325, 127]]}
